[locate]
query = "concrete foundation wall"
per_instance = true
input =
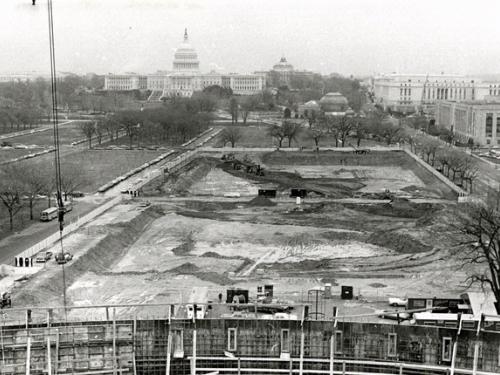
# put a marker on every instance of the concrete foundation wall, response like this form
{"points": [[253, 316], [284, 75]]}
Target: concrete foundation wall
{"points": [[162, 346]]}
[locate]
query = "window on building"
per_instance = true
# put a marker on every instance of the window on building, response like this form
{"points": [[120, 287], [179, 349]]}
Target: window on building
{"points": [[447, 349], [231, 339], [489, 125], [178, 343], [392, 345], [338, 343], [498, 354], [285, 341]]}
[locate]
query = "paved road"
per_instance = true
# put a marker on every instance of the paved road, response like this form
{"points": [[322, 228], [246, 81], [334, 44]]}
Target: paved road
{"points": [[38, 129], [20, 241]]}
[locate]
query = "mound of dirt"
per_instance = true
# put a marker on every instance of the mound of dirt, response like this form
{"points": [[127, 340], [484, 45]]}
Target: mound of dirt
{"points": [[186, 268], [330, 280], [46, 287], [399, 242], [214, 277], [186, 247], [260, 201], [377, 285], [398, 208], [180, 181]]}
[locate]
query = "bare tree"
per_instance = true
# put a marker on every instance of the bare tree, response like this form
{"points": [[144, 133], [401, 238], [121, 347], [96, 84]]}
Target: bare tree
{"points": [[234, 109], [311, 117], [34, 184], [248, 105], [231, 135], [479, 246], [360, 129], [390, 132], [469, 172], [71, 180], [291, 131], [455, 162], [344, 127], [316, 134], [429, 148], [11, 188], [277, 132], [99, 130], [442, 157], [88, 129]]}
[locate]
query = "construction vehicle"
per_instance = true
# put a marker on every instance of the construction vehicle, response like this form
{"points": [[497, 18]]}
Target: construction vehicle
{"points": [[228, 157], [63, 258], [5, 301]]}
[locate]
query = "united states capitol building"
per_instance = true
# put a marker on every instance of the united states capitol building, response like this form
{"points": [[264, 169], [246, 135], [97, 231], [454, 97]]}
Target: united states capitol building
{"points": [[185, 78]]}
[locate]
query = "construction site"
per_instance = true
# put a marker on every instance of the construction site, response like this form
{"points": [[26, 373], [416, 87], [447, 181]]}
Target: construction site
{"points": [[256, 262]]}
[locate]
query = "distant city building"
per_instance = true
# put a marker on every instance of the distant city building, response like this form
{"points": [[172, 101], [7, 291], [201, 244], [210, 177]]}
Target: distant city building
{"points": [[334, 103], [185, 78], [311, 108], [283, 73], [478, 119], [412, 92], [29, 76]]}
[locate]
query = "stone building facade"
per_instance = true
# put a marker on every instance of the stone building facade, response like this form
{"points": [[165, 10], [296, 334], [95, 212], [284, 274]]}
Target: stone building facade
{"points": [[479, 120], [185, 78]]}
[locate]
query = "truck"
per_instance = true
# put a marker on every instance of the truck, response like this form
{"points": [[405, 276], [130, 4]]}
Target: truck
{"points": [[63, 258], [43, 257]]}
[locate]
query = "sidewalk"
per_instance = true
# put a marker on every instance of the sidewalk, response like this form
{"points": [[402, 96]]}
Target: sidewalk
{"points": [[39, 129]]}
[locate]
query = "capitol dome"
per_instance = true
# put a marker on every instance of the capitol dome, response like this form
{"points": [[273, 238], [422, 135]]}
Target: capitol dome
{"points": [[333, 102], [185, 57], [283, 65]]}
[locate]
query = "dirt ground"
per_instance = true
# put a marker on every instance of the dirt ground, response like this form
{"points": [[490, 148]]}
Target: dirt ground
{"points": [[192, 236]]}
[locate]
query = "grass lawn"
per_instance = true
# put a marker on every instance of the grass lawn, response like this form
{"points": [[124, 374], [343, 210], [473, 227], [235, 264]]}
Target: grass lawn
{"points": [[100, 166], [7, 130], [9, 154], [257, 136], [97, 167], [67, 133]]}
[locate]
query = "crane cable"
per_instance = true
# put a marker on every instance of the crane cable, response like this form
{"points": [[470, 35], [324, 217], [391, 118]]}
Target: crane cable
{"points": [[57, 161]]}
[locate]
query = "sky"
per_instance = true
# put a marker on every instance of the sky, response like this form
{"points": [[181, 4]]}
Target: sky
{"points": [[359, 37]]}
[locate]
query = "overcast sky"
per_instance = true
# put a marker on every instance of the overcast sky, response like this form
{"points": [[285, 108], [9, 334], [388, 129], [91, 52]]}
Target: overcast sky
{"points": [[358, 37]]}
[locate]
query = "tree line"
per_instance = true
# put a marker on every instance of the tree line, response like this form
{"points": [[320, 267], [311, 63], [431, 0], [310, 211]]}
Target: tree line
{"points": [[24, 104], [174, 122], [22, 184]]}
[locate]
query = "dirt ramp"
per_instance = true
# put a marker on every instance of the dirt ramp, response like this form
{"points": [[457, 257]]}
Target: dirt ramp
{"points": [[47, 287]]}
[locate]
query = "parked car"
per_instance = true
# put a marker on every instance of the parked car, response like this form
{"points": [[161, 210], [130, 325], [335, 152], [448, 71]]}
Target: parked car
{"points": [[77, 194], [43, 257]]}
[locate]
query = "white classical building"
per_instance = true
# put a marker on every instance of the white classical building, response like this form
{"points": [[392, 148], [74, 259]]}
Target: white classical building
{"points": [[412, 92], [185, 78], [478, 119]]}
